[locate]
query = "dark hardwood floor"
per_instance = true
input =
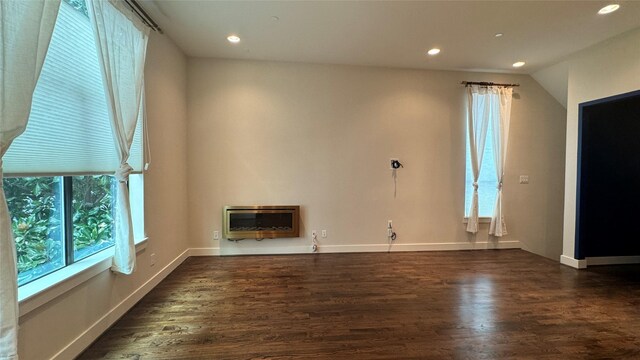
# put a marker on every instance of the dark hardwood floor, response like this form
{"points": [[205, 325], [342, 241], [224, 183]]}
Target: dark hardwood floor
{"points": [[500, 304]]}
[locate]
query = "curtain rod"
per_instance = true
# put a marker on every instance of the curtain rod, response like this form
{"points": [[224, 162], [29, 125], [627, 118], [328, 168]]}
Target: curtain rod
{"points": [[146, 19], [468, 83]]}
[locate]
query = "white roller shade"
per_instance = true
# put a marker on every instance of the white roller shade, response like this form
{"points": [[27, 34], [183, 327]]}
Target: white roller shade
{"points": [[69, 130]]}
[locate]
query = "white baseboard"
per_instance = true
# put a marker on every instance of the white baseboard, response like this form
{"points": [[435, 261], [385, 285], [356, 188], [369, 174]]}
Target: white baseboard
{"points": [[599, 260], [613, 260], [204, 251], [79, 344], [266, 250], [574, 263], [481, 245]]}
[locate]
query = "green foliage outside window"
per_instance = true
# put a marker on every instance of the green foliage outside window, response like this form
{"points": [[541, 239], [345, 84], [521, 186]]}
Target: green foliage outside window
{"points": [[92, 213], [35, 205], [35, 208]]}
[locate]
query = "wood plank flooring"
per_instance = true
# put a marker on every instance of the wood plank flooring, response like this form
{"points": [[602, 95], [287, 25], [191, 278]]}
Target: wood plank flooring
{"points": [[494, 304]]}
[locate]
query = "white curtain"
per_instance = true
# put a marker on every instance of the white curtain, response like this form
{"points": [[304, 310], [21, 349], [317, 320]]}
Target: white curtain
{"points": [[121, 40], [500, 126], [478, 112], [25, 31]]}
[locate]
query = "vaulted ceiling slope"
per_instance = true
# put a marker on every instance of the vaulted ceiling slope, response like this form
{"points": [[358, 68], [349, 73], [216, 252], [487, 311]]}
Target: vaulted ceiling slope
{"points": [[394, 33]]}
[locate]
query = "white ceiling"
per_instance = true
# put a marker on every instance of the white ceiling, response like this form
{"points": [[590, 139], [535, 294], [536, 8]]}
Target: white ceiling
{"points": [[393, 33]]}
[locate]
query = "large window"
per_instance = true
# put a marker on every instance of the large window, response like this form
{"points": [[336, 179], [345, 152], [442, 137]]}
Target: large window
{"points": [[487, 182], [57, 221], [59, 191]]}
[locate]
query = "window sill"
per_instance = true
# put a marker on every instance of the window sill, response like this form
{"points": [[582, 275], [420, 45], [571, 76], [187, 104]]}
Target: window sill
{"points": [[39, 292], [481, 220]]}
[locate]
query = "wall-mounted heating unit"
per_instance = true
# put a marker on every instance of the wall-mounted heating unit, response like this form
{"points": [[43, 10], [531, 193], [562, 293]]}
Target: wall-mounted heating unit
{"points": [[261, 222]]}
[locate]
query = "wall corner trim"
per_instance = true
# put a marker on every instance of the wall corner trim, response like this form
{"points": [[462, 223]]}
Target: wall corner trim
{"points": [[574, 263]]}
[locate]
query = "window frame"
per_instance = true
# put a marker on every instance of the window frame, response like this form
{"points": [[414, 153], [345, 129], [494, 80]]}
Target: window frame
{"points": [[67, 213], [46, 288]]}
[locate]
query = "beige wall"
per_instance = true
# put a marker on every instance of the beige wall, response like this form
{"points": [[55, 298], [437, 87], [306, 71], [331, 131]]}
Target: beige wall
{"points": [[606, 69], [48, 329], [554, 79], [321, 136]]}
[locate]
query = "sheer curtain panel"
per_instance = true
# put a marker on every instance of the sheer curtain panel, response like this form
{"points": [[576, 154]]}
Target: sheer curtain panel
{"points": [[502, 100], [478, 112], [25, 32], [121, 40]]}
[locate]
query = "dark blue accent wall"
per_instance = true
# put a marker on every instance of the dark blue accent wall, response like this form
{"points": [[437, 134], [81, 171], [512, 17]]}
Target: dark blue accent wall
{"points": [[608, 198]]}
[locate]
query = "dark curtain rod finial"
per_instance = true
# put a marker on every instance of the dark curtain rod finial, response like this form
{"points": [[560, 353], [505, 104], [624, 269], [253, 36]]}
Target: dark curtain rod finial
{"points": [[469, 83]]}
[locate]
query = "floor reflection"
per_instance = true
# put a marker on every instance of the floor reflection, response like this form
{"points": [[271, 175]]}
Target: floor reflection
{"points": [[476, 304]]}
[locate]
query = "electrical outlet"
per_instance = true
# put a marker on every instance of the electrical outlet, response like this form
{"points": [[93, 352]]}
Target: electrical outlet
{"points": [[324, 233], [216, 235], [152, 259], [524, 179]]}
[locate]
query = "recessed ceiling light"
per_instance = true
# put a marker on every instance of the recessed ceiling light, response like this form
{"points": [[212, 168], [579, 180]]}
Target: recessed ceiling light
{"points": [[518, 64], [434, 51], [498, 34], [275, 18], [233, 39], [608, 9]]}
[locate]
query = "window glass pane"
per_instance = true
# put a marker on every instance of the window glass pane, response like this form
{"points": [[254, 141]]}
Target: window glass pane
{"points": [[35, 205], [487, 182], [93, 207]]}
